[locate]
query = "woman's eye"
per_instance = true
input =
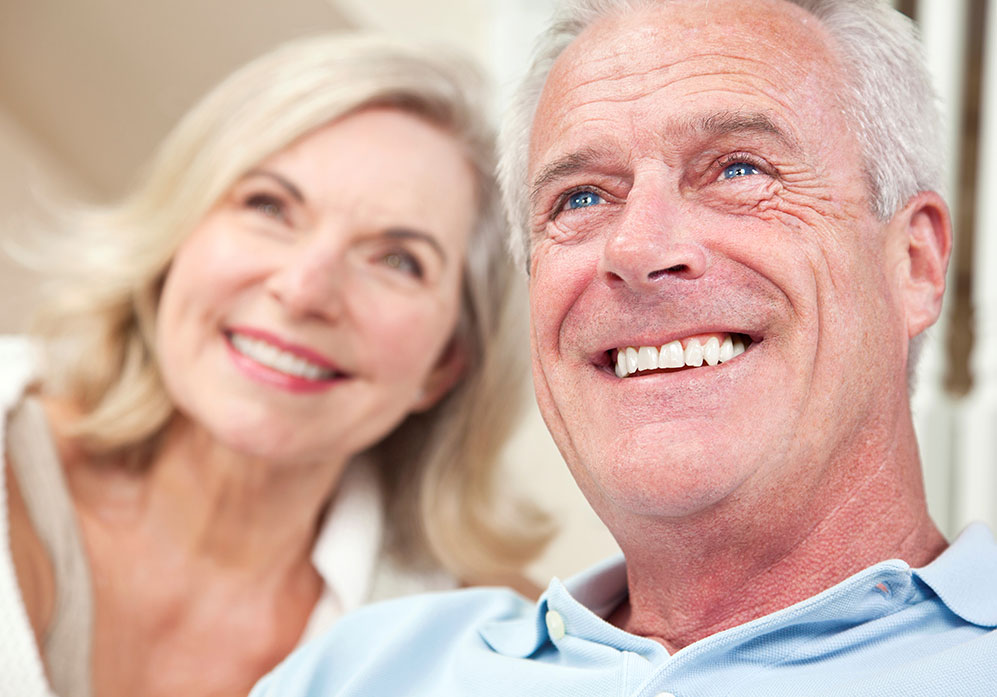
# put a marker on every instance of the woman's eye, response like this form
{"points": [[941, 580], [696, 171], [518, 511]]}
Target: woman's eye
{"points": [[404, 263], [739, 169], [268, 205], [582, 199]]}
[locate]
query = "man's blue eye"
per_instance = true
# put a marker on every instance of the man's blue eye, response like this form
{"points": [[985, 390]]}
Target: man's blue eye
{"points": [[582, 199], [738, 169]]}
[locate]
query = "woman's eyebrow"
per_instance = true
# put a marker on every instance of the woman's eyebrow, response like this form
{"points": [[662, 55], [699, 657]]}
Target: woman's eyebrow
{"points": [[395, 233], [283, 181], [401, 233]]}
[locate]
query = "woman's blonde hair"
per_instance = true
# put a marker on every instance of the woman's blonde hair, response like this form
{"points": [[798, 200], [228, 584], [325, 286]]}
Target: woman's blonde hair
{"points": [[438, 467]]}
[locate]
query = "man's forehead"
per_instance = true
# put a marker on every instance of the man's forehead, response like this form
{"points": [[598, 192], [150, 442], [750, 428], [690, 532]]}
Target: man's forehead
{"points": [[772, 46], [669, 22]]}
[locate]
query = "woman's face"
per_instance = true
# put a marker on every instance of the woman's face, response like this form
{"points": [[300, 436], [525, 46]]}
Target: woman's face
{"points": [[312, 308]]}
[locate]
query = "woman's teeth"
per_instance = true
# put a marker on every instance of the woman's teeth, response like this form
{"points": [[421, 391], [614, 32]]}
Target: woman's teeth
{"points": [[716, 349], [277, 359]]}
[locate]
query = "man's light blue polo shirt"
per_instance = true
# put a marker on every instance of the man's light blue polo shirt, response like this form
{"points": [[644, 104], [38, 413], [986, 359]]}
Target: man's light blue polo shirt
{"points": [[888, 630]]}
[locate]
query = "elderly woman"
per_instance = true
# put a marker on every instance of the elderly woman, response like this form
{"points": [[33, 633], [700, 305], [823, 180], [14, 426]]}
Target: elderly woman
{"points": [[291, 331]]}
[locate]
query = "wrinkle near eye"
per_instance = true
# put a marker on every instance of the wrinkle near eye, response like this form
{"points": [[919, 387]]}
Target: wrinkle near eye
{"points": [[758, 195]]}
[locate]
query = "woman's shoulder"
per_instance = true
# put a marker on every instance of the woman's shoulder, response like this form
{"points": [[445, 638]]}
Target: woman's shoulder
{"points": [[32, 565], [28, 555], [28, 601]]}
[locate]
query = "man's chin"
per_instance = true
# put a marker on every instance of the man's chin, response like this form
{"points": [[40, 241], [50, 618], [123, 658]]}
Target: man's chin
{"points": [[660, 472]]}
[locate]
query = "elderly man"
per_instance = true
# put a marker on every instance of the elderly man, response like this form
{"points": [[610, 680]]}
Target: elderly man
{"points": [[733, 235]]}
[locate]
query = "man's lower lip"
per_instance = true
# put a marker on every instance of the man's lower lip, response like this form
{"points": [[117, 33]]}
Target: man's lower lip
{"points": [[261, 373], [660, 371]]}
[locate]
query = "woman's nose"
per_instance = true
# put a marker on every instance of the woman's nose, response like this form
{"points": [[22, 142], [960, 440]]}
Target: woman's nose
{"points": [[652, 243], [310, 282]]}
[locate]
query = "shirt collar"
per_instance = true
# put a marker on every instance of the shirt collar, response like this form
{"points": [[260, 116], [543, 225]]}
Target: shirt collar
{"points": [[963, 576], [582, 603], [346, 551]]}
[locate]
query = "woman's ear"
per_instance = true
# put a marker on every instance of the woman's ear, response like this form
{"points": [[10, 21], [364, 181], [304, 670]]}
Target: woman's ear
{"points": [[449, 369], [925, 230]]}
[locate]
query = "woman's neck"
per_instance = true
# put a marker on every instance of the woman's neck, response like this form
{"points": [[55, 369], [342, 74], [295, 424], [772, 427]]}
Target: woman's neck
{"points": [[203, 502]]}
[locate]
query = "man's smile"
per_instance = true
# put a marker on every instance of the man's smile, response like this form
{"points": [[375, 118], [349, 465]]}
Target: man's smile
{"points": [[688, 352]]}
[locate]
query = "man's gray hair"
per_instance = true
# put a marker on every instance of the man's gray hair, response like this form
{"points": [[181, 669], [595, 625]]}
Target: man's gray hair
{"points": [[889, 101]]}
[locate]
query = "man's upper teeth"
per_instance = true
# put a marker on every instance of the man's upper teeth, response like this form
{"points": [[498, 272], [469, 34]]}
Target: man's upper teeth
{"points": [[716, 349], [278, 359]]}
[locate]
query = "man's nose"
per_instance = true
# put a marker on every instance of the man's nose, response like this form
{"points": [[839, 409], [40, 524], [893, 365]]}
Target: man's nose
{"points": [[309, 282], [652, 243]]}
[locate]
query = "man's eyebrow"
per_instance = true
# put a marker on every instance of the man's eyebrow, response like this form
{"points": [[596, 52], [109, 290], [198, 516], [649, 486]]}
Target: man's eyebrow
{"points": [[727, 122], [565, 166], [283, 181]]}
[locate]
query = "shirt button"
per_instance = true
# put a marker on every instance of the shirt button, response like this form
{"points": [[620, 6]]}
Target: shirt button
{"points": [[555, 625]]}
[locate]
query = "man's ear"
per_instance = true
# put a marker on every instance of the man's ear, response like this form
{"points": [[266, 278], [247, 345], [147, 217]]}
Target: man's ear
{"points": [[449, 369], [924, 227]]}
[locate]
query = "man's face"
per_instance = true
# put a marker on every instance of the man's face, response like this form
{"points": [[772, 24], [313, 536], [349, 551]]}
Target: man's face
{"points": [[694, 177]]}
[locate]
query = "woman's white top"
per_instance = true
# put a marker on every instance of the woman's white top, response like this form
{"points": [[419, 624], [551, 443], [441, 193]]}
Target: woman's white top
{"points": [[348, 552]]}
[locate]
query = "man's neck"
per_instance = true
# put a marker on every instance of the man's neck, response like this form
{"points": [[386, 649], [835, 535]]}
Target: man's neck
{"points": [[743, 559]]}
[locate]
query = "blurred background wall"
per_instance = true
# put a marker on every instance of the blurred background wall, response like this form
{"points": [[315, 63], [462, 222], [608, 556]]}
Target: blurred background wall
{"points": [[89, 87]]}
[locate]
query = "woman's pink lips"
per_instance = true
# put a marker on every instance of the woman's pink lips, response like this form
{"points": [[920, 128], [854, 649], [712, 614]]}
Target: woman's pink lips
{"points": [[292, 383], [298, 350]]}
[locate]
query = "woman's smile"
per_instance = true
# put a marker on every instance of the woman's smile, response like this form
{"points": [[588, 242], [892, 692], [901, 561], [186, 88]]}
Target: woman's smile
{"points": [[263, 356]]}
